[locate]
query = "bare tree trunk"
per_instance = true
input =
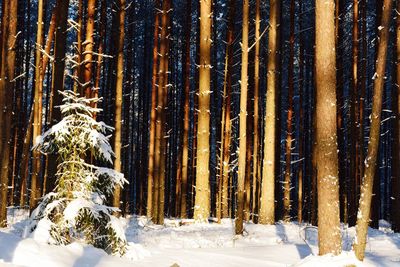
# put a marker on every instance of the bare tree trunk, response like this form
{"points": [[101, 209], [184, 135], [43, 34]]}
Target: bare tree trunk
{"points": [[364, 209], [150, 179], [37, 117], [202, 200], [99, 64], [160, 138], [354, 118], [288, 170], [395, 197], [267, 207], [88, 47], [329, 235], [7, 66], [186, 111], [256, 117], [118, 88], [78, 70], [243, 120], [301, 119]]}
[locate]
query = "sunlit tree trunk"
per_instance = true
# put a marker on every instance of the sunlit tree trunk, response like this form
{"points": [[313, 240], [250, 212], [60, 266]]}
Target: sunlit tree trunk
{"points": [[363, 215], [160, 138], [118, 91], [88, 47], [37, 117], [256, 116], [329, 235], [7, 66], [243, 120], [267, 206], [150, 179], [202, 200]]}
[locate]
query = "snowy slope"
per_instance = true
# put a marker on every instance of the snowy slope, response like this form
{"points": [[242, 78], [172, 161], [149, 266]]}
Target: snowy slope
{"points": [[186, 244]]}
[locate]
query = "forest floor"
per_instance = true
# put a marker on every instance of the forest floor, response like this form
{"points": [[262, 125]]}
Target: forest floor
{"points": [[182, 243]]}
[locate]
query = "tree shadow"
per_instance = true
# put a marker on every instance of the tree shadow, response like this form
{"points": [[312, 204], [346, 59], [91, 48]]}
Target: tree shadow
{"points": [[8, 245], [90, 257]]}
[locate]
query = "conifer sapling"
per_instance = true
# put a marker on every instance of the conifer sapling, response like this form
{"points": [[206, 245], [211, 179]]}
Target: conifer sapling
{"points": [[76, 210]]}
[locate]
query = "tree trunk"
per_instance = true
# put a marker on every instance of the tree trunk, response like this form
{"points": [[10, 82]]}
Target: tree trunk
{"points": [[364, 209], [329, 235], [202, 200], [288, 154], [300, 198], [243, 120], [267, 207], [354, 120], [88, 47], [160, 138], [186, 111], [256, 117], [118, 88], [150, 179], [37, 117], [7, 66], [395, 197]]}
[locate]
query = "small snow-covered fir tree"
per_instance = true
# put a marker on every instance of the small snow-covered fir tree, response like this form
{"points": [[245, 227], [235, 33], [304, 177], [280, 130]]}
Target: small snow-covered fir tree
{"points": [[75, 210]]}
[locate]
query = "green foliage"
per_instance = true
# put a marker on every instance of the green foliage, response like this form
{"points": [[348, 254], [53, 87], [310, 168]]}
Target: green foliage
{"points": [[75, 211]]}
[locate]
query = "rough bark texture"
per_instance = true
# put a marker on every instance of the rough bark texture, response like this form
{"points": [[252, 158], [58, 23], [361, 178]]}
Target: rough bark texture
{"points": [[150, 179], [118, 96], [186, 112], [7, 66], [88, 47], [329, 235], [202, 200], [363, 215], [37, 117], [223, 181], [267, 206], [256, 116], [243, 120]]}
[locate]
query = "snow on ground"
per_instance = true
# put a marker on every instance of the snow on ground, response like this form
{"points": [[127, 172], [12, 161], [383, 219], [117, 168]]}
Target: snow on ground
{"points": [[182, 243]]}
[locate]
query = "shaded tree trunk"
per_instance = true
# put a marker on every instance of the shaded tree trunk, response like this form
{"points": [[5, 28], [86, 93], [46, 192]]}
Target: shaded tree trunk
{"points": [[395, 197]]}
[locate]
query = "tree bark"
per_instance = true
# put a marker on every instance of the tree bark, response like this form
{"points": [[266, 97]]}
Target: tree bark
{"points": [[118, 88], [7, 66], [288, 154], [267, 207], [37, 117], [150, 179], [243, 120], [395, 197], [202, 199], [256, 116], [186, 111], [364, 209], [88, 47], [329, 235]]}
